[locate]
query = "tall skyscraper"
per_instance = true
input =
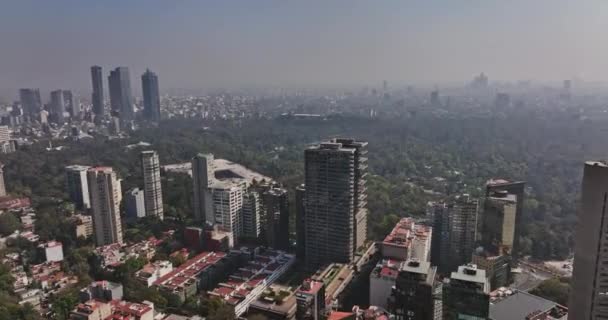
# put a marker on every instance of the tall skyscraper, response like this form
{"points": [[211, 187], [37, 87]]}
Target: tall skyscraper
{"points": [[57, 106], [518, 189], [30, 102], [97, 96], [300, 223], [153, 194], [78, 186], [2, 185], [121, 97], [463, 228], [202, 173], [276, 212], [416, 292], [106, 195], [335, 201], [589, 285], [454, 233], [252, 214], [149, 84], [466, 295], [71, 104], [498, 222]]}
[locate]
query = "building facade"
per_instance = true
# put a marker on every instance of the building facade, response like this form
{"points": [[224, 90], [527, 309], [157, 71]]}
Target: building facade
{"points": [[135, 205], [589, 284], [78, 186], [202, 172], [276, 213], [30, 102], [57, 107], [518, 189], [153, 194], [106, 194], [335, 201], [454, 233], [149, 84], [416, 295], [121, 97], [466, 295], [2, 185], [97, 96]]}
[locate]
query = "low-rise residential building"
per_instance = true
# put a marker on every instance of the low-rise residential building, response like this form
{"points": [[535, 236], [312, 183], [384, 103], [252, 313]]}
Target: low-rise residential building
{"points": [[123, 310], [101, 290], [244, 286], [408, 240], [143, 249], [276, 302], [91, 310], [153, 271], [83, 225], [109, 256], [381, 282], [184, 280], [33, 297], [53, 250]]}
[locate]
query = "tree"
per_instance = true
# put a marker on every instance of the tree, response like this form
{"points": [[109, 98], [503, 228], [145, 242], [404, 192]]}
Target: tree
{"points": [[554, 289], [8, 223]]}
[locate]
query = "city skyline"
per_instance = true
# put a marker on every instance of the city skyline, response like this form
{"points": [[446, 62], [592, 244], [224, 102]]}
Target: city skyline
{"points": [[349, 43]]}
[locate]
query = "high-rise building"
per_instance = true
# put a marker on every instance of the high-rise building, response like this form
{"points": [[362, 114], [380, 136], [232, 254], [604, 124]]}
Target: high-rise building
{"points": [[454, 233], [435, 101], [463, 228], [516, 188], [2, 185], [310, 299], [466, 295], [440, 240], [71, 104], [105, 191], [149, 84], [416, 294], [135, 206], [497, 231], [121, 97], [57, 106], [588, 298], [276, 213], [78, 186], [30, 102], [335, 201], [153, 194], [6, 144], [252, 209], [300, 224], [202, 173], [97, 96]]}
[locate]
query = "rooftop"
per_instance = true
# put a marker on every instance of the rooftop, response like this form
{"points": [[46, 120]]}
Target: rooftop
{"points": [[405, 231], [189, 270], [521, 304], [470, 273]]}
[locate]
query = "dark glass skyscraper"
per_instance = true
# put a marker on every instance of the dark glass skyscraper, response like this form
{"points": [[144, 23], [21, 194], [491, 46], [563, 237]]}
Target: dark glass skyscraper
{"points": [[57, 106], [121, 98], [149, 84], [97, 97], [30, 101]]}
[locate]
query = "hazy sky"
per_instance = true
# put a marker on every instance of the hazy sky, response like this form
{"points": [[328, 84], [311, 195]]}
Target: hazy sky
{"points": [[198, 44]]}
